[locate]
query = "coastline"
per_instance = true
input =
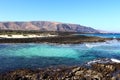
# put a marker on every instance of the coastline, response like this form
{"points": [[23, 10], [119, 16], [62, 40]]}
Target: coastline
{"points": [[70, 39], [95, 71]]}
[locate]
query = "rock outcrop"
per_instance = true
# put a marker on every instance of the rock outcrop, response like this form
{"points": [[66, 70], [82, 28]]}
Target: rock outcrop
{"points": [[97, 71]]}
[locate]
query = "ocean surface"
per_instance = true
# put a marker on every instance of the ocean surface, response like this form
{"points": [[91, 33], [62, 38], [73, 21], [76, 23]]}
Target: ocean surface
{"points": [[109, 35], [31, 55]]}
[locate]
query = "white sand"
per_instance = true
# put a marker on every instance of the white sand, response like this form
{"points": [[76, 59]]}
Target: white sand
{"points": [[26, 36]]}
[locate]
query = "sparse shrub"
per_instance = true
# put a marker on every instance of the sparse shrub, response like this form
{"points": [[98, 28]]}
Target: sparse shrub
{"points": [[25, 35], [9, 35]]}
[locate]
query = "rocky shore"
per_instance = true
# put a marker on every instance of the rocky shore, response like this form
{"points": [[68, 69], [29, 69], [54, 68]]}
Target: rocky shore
{"points": [[7, 36], [89, 71], [70, 39], [97, 71]]}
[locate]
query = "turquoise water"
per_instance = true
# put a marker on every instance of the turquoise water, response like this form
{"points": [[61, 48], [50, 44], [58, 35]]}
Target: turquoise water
{"points": [[30, 55], [110, 35]]}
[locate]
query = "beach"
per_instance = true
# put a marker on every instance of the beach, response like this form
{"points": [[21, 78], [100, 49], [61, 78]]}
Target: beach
{"points": [[25, 36]]}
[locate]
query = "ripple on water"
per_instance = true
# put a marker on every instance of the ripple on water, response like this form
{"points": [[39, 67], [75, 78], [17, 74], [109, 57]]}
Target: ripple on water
{"points": [[43, 55]]}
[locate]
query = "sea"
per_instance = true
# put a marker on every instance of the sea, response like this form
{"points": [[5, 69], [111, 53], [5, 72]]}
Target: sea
{"points": [[43, 55], [103, 35]]}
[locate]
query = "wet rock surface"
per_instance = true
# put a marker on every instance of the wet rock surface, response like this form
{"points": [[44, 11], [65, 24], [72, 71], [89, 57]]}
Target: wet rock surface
{"points": [[97, 71]]}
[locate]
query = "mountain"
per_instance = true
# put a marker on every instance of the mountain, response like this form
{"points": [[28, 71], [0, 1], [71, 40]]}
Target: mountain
{"points": [[46, 26]]}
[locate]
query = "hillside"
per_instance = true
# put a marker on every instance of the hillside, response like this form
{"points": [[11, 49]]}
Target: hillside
{"points": [[46, 26]]}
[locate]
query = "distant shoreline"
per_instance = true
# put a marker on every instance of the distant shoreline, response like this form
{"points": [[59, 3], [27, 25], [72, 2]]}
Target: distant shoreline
{"points": [[51, 39], [12, 36]]}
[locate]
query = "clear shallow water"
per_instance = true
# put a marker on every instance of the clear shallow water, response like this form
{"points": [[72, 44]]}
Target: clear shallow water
{"points": [[16, 56], [103, 35]]}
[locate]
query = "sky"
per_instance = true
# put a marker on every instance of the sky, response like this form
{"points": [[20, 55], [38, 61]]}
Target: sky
{"points": [[98, 14]]}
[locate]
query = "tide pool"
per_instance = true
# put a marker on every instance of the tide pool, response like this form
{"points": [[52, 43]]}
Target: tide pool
{"points": [[30, 55]]}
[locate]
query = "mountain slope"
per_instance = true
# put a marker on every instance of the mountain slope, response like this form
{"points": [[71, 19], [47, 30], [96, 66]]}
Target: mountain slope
{"points": [[46, 26]]}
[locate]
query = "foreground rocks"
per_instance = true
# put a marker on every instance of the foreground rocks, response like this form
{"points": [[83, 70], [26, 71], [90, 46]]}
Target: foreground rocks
{"points": [[97, 71]]}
